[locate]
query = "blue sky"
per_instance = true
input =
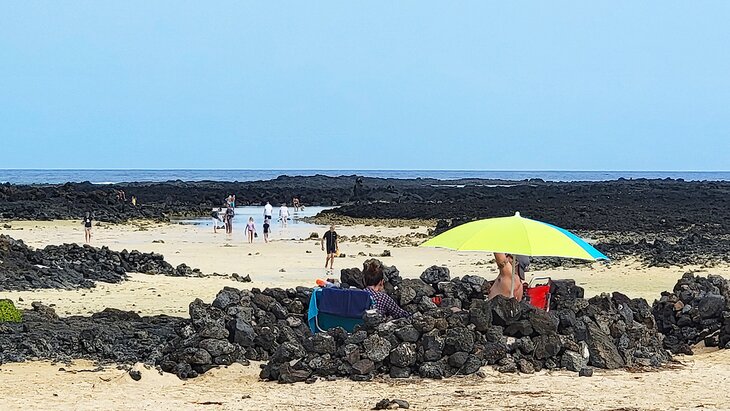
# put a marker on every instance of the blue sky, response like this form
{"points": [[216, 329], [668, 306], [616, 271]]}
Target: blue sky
{"points": [[566, 85]]}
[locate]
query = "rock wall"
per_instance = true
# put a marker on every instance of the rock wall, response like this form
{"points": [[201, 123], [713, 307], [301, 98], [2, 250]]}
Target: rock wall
{"points": [[436, 341], [698, 309]]}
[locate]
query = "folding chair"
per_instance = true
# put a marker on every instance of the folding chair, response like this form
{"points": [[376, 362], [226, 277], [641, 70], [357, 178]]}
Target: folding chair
{"points": [[538, 295], [336, 307]]}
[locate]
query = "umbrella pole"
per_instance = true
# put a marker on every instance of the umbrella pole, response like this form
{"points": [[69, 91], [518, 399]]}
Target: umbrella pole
{"points": [[512, 283]]}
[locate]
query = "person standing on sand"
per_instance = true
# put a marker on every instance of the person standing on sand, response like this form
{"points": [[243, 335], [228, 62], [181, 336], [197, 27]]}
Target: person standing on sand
{"points": [[267, 228], [283, 214], [229, 219], [215, 215], [268, 210], [330, 238], [250, 230], [503, 284], [87, 227]]}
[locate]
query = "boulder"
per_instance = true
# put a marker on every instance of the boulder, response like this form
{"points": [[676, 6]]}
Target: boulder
{"points": [[435, 274]]}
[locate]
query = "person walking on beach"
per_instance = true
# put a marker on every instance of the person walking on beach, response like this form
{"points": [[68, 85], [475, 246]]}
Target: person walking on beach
{"points": [[283, 214], [267, 228], [268, 211], [87, 227], [250, 230], [134, 201], [330, 240], [229, 219]]}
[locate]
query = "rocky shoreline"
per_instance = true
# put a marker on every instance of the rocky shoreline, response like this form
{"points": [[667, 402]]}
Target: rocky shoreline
{"points": [[619, 206]]}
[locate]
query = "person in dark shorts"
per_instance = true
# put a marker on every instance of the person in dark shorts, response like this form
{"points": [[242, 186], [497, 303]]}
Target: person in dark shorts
{"points": [[267, 228], [87, 227], [330, 239]]}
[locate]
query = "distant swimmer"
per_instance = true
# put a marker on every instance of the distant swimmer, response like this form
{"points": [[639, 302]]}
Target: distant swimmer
{"points": [[283, 214], [87, 227]]}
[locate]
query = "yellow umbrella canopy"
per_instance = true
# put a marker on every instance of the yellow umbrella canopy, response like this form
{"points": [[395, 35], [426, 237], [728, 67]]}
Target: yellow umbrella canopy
{"points": [[516, 235]]}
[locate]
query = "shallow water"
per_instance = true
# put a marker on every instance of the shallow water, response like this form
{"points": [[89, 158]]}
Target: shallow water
{"points": [[243, 213]]}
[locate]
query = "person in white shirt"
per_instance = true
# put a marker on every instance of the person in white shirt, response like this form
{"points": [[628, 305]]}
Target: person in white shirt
{"points": [[268, 210], [283, 214]]}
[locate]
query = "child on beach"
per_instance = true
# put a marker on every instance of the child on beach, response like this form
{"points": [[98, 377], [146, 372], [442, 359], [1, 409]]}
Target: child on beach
{"points": [[267, 228], [250, 230]]}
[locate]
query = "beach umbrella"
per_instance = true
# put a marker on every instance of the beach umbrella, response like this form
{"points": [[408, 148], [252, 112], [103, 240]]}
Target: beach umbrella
{"points": [[516, 235]]}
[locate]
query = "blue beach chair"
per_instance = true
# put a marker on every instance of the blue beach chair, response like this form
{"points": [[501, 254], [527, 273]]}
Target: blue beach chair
{"points": [[336, 307]]}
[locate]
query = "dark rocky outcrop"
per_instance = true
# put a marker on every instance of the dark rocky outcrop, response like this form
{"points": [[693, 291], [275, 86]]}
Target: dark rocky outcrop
{"points": [[110, 336], [698, 309], [70, 266]]}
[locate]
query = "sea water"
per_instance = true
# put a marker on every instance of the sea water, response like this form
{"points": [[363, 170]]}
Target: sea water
{"points": [[35, 176]]}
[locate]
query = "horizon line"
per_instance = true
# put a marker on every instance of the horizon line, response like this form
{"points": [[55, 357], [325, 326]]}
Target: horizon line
{"points": [[358, 169]]}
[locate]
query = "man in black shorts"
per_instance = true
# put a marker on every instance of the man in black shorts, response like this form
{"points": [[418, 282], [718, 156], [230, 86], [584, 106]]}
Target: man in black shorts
{"points": [[330, 238]]}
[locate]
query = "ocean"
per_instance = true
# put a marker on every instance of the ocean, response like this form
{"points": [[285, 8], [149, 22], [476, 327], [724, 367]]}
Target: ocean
{"points": [[35, 176]]}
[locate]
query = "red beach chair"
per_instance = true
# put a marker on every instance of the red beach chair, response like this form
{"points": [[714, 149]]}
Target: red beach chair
{"points": [[538, 295]]}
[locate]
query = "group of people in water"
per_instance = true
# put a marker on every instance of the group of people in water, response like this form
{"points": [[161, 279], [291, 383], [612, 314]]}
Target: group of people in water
{"points": [[225, 217]]}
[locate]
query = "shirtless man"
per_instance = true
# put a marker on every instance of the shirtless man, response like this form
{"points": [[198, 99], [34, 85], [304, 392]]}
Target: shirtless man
{"points": [[503, 283]]}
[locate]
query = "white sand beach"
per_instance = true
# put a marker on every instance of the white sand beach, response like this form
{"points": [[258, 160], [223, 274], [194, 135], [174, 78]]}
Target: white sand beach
{"points": [[291, 260]]}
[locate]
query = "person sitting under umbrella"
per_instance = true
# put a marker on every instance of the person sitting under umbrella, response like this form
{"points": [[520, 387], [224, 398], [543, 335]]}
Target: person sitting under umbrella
{"points": [[503, 284]]}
